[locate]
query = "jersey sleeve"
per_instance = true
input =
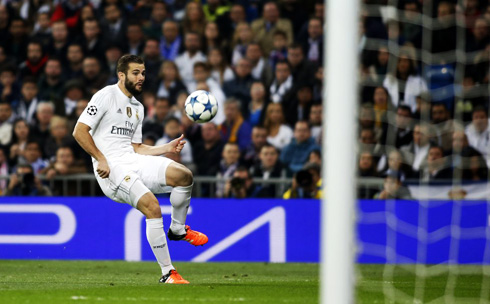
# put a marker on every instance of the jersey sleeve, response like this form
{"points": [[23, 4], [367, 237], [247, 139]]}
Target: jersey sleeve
{"points": [[138, 133], [95, 110]]}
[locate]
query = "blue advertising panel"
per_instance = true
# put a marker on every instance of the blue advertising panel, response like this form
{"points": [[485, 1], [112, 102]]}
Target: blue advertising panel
{"points": [[244, 230]]}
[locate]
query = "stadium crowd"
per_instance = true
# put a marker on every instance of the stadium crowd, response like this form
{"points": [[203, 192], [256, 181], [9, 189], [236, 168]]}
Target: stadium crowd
{"points": [[421, 118], [261, 60]]}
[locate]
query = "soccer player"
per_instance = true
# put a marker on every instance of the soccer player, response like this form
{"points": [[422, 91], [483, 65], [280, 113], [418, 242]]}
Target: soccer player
{"points": [[110, 130]]}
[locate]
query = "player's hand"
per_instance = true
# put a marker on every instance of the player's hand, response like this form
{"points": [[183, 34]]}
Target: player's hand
{"points": [[103, 168], [177, 144]]}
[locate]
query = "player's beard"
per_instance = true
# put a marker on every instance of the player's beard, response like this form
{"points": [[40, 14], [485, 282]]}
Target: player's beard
{"points": [[131, 87]]}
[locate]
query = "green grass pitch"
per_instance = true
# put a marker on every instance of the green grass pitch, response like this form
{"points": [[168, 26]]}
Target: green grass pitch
{"points": [[54, 282]]}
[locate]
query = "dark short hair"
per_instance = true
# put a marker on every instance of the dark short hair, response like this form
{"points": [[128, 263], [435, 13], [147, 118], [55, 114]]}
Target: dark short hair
{"points": [[170, 119], [306, 122], [280, 33], [125, 60], [268, 145], [405, 108], [203, 65], [242, 168], [29, 79], [480, 109]]}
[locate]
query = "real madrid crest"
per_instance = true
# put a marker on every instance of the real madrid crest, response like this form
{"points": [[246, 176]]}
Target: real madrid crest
{"points": [[129, 112]]}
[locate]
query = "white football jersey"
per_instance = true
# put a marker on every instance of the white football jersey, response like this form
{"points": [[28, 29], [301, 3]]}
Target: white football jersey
{"points": [[115, 121]]}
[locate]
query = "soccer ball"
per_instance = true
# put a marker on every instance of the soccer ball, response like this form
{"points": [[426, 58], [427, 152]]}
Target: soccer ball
{"points": [[201, 106]]}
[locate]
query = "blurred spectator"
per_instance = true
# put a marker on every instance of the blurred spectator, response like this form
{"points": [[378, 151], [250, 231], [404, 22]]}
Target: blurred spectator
{"points": [[58, 137], [93, 40], [134, 43], [315, 120], [313, 43], [64, 164], [315, 157], [73, 92], [396, 164], [153, 26], [114, 24], [5, 125], [241, 185], [239, 87], [4, 171], [241, 38], [68, 10], [398, 133], [153, 62], [220, 71], [251, 155], [202, 74], [296, 153], [368, 142], [17, 39], [257, 103], [467, 162], [79, 108], [423, 110], [294, 11], [437, 168], [171, 41], [59, 40], [51, 85], [299, 107], [9, 91], [173, 130], [209, 151], [415, 154], [42, 29], [260, 69], [306, 183], [268, 167], [112, 54], [367, 165], [156, 123], [377, 71], [411, 25], [235, 129], [215, 8], [443, 125], [265, 27], [280, 48], [44, 113], [171, 84], [194, 19], [33, 157], [278, 133], [93, 77], [20, 135], [478, 132], [24, 183], [302, 70], [393, 189], [74, 68], [405, 84], [185, 62], [228, 21], [227, 166], [213, 38], [281, 89], [444, 38], [480, 37]]}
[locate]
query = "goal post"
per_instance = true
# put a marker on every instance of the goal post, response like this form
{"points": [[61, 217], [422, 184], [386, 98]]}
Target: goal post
{"points": [[339, 145]]}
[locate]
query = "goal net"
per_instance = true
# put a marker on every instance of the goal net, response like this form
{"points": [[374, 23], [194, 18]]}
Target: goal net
{"points": [[423, 152]]}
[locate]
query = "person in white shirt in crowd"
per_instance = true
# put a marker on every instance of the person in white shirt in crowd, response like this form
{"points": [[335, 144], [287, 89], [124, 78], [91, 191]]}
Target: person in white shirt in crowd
{"points": [[415, 154], [5, 125], [478, 132], [185, 62], [404, 85], [279, 134]]}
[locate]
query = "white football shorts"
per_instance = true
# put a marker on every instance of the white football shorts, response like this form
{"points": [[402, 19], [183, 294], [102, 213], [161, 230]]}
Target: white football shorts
{"points": [[148, 172]]}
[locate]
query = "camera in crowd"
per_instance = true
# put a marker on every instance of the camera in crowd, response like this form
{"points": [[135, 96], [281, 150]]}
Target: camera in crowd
{"points": [[237, 183]]}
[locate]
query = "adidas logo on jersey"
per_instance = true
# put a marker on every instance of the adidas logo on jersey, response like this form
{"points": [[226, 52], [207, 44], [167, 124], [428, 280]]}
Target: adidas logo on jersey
{"points": [[119, 111]]}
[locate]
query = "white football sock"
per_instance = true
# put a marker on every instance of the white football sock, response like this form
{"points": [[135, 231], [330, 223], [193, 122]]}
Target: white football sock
{"points": [[158, 243], [180, 198]]}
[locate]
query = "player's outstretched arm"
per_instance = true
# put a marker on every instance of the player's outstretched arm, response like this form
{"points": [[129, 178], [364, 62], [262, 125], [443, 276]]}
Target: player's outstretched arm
{"points": [[85, 140], [174, 146]]}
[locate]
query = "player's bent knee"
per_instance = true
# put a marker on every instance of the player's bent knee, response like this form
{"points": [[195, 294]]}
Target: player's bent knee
{"points": [[179, 175]]}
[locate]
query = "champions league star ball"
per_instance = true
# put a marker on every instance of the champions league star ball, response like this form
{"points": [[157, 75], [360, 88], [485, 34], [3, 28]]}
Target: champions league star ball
{"points": [[201, 106]]}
